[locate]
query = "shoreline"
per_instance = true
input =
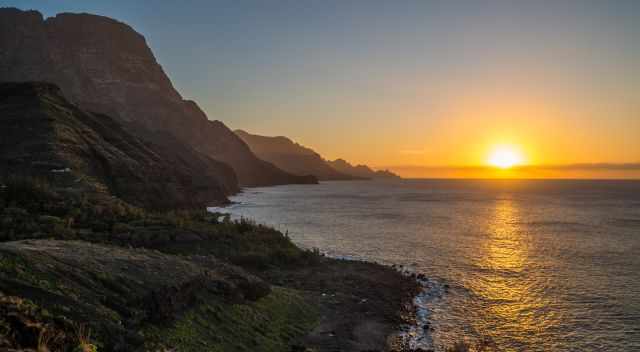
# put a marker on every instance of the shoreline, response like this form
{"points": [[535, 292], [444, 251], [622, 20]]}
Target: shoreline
{"points": [[142, 280], [413, 333]]}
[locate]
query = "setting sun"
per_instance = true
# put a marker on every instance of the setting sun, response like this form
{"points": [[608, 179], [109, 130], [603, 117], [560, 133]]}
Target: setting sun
{"points": [[505, 157]]}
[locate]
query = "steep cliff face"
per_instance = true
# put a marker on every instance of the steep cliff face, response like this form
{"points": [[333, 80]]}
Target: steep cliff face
{"points": [[43, 135], [292, 157], [105, 66]]}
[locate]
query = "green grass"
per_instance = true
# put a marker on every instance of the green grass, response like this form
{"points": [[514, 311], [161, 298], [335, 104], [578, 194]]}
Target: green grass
{"points": [[269, 324], [32, 208], [14, 267]]}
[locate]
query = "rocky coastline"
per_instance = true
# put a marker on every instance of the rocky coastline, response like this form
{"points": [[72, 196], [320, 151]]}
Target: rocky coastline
{"points": [[100, 272]]}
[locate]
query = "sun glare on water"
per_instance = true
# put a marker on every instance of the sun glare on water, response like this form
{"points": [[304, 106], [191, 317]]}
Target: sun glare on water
{"points": [[505, 157]]}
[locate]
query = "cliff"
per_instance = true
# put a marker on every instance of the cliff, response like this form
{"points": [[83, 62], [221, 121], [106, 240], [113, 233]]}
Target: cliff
{"points": [[105, 66], [360, 170], [292, 157], [43, 135]]}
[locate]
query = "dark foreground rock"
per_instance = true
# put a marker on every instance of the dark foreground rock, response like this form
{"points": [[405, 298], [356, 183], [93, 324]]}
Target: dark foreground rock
{"points": [[361, 304]]}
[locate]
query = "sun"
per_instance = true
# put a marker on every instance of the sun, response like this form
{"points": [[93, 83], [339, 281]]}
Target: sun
{"points": [[505, 157]]}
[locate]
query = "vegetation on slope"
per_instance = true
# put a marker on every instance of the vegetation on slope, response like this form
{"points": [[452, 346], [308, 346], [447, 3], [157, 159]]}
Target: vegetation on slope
{"points": [[269, 324], [189, 280], [32, 208], [72, 281]]}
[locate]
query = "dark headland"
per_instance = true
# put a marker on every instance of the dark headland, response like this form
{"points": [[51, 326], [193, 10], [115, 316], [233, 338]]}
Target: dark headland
{"points": [[105, 172]]}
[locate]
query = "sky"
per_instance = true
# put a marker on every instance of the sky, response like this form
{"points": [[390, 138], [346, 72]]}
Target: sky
{"points": [[411, 85]]}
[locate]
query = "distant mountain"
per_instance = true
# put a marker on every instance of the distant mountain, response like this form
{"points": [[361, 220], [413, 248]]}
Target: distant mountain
{"points": [[292, 157], [360, 170], [105, 66], [42, 135]]}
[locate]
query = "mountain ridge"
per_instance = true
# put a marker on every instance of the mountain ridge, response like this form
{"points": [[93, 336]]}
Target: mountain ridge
{"points": [[361, 170], [292, 157]]}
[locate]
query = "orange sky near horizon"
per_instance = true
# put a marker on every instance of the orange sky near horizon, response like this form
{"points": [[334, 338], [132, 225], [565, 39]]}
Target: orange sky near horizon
{"points": [[546, 128], [552, 114], [630, 172]]}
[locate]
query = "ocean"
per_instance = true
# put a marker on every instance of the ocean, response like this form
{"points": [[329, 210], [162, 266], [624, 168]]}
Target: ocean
{"points": [[532, 265]]}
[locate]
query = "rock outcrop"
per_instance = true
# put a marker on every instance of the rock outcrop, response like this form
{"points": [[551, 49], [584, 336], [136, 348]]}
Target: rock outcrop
{"points": [[105, 66], [360, 170], [292, 157], [43, 135], [117, 290]]}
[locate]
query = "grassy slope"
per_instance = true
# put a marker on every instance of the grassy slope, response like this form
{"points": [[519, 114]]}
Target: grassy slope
{"points": [[270, 324], [31, 209], [315, 302]]}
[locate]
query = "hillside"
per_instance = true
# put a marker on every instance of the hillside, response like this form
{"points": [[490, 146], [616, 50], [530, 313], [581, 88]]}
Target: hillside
{"points": [[105, 66], [79, 272], [43, 135], [292, 157]]}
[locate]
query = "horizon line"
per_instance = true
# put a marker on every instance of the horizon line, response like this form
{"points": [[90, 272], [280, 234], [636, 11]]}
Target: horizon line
{"points": [[632, 166]]}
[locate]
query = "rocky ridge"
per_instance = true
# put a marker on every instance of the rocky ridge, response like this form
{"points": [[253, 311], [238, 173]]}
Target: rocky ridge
{"points": [[361, 170], [292, 157]]}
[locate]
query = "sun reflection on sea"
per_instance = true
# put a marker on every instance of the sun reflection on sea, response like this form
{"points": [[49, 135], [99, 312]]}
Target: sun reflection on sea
{"points": [[505, 249], [504, 286]]}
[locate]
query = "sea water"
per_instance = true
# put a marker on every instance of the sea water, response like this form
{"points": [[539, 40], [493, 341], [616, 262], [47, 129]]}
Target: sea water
{"points": [[532, 265]]}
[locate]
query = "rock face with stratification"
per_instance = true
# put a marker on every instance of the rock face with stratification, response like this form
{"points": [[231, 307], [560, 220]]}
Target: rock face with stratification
{"points": [[103, 65]]}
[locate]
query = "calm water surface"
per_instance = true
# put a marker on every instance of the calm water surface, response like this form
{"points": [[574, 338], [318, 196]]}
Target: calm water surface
{"points": [[533, 265]]}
